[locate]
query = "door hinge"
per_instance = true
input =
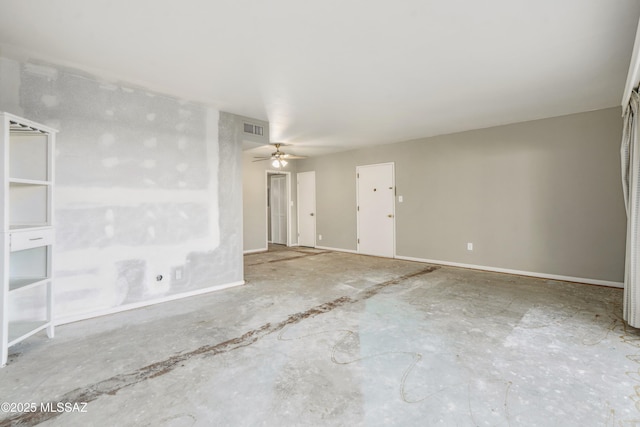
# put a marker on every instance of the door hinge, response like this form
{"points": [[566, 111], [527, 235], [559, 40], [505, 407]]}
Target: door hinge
{"points": [[358, 241], [357, 175], [358, 208]]}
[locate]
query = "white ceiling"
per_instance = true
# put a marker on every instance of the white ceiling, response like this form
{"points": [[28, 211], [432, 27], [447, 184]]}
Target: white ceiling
{"points": [[333, 74]]}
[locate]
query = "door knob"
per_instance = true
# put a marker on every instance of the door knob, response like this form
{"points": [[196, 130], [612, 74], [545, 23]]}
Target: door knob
{"points": [[390, 215], [311, 214]]}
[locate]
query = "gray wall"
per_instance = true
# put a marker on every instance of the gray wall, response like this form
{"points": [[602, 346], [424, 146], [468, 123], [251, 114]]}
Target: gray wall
{"points": [[542, 196], [146, 185]]}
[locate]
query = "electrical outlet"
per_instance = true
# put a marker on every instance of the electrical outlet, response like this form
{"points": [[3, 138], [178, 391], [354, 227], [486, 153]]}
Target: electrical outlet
{"points": [[178, 273], [319, 236], [469, 246]]}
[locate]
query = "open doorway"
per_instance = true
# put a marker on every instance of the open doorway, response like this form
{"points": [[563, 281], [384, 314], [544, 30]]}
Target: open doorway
{"points": [[278, 208]]}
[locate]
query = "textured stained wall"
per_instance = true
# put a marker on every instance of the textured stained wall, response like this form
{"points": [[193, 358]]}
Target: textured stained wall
{"points": [[146, 186]]}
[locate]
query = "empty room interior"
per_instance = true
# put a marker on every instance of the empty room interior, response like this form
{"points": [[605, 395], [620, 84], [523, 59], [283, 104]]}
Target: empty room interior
{"points": [[320, 213]]}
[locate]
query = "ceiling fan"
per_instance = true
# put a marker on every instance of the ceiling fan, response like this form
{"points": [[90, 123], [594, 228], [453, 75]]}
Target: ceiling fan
{"points": [[279, 159]]}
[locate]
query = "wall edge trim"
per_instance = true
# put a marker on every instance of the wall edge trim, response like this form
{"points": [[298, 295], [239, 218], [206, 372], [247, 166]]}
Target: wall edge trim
{"points": [[254, 251], [327, 248], [518, 272], [633, 74], [133, 306]]}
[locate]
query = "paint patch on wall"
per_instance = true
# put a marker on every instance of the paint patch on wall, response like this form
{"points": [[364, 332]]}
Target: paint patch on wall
{"points": [[50, 101], [150, 142], [41, 71], [138, 190]]}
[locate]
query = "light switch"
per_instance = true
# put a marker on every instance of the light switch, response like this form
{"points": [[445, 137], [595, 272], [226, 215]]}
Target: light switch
{"points": [[400, 199]]}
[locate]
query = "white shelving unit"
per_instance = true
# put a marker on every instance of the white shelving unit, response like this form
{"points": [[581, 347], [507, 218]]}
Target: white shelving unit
{"points": [[26, 172]]}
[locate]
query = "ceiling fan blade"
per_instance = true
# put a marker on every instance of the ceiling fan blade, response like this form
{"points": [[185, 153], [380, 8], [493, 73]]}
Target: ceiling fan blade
{"points": [[261, 159], [293, 157]]}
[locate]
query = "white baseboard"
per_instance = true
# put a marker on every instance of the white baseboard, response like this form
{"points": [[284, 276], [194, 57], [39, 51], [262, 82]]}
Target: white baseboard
{"points": [[349, 251], [126, 307], [254, 251], [517, 272]]}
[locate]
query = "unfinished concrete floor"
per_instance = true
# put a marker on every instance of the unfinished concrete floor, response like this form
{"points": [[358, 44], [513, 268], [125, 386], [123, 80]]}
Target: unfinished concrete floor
{"points": [[327, 338]]}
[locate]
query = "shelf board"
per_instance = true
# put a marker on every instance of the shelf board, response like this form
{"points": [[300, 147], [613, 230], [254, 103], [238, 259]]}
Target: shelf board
{"points": [[16, 283], [16, 227], [19, 331], [20, 181]]}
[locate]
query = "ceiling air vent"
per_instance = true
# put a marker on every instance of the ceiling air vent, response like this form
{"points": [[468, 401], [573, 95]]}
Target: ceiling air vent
{"points": [[253, 129]]}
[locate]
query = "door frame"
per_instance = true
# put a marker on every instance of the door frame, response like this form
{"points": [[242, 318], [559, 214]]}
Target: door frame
{"points": [[266, 205], [282, 209], [393, 180], [315, 202]]}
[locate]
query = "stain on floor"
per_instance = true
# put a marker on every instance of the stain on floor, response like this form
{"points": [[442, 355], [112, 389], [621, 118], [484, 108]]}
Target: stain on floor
{"points": [[113, 385], [342, 339]]}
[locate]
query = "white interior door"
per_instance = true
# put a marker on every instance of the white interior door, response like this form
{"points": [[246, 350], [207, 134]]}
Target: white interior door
{"points": [[376, 209], [307, 209], [278, 205]]}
